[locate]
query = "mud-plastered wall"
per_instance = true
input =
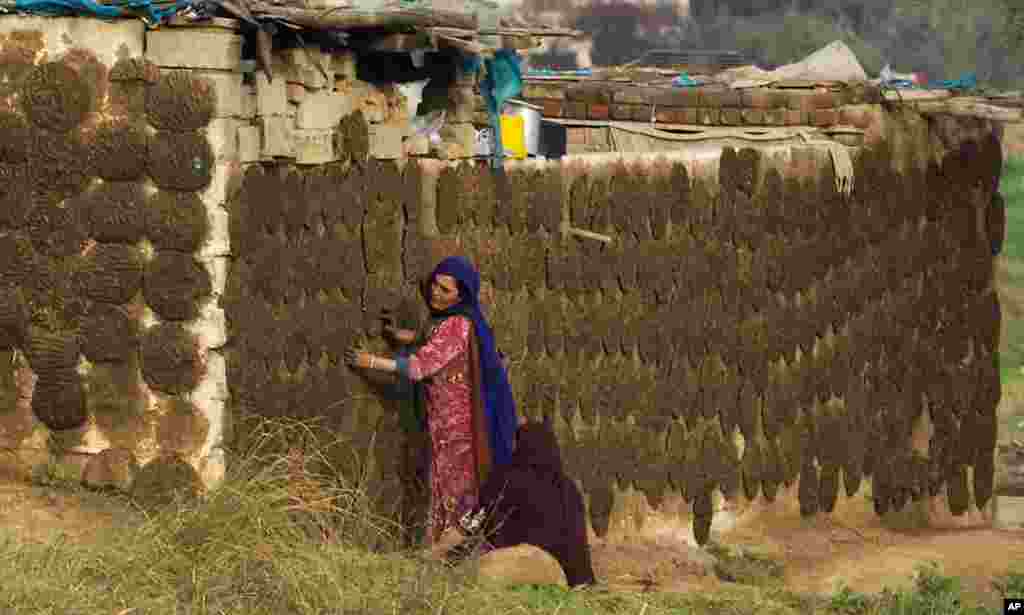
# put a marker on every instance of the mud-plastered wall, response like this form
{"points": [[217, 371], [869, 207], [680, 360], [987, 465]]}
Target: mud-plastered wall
{"points": [[751, 329], [113, 248]]}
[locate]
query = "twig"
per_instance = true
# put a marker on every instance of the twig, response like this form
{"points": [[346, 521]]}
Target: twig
{"points": [[589, 235]]}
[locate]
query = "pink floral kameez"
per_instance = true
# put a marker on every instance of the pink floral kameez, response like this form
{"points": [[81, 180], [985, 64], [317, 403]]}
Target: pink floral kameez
{"points": [[445, 360]]}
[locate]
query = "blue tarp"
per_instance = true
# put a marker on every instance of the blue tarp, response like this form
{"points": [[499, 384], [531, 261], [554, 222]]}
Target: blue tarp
{"points": [[504, 80], [89, 7]]}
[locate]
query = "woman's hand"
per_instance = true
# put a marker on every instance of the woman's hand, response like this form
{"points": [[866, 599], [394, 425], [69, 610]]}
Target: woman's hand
{"points": [[357, 358]]}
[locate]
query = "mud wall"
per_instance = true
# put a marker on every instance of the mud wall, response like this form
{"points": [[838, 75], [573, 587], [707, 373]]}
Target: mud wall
{"points": [[111, 259], [751, 328]]}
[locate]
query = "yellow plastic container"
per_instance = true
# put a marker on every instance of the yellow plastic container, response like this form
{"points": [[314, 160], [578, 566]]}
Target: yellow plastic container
{"points": [[513, 136]]}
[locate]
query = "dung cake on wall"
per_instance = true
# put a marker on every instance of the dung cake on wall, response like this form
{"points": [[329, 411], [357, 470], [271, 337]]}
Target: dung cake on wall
{"points": [[110, 317], [753, 330]]}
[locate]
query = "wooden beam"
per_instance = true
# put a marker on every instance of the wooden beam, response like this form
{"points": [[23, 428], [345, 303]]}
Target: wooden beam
{"points": [[539, 31], [345, 18], [969, 108]]}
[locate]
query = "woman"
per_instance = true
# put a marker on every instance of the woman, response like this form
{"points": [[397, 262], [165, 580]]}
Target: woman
{"points": [[471, 415], [532, 501]]}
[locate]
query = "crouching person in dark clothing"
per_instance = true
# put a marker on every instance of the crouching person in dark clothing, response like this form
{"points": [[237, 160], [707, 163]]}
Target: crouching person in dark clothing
{"points": [[531, 501]]}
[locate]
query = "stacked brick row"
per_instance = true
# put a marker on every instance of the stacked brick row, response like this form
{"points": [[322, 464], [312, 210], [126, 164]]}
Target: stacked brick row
{"points": [[707, 105], [88, 249]]}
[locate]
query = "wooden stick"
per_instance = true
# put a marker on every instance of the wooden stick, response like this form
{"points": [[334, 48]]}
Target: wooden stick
{"points": [[472, 47], [354, 18], [511, 32], [589, 234]]}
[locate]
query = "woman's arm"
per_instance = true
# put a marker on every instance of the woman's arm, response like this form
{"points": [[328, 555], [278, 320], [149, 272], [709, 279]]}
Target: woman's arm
{"points": [[451, 339], [404, 336]]}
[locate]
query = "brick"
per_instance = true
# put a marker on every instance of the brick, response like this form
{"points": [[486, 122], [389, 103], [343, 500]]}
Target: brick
{"points": [[576, 136], [322, 110], [825, 99], [463, 104], [192, 48], [731, 117], [824, 117], [222, 133], [810, 100], [669, 115], [373, 105], [319, 71], [720, 97], [634, 95], [762, 98], [552, 108], [752, 117], [314, 146], [344, 65], [271, 97], [276, 137], [543, 91], [598, 112], [386, 142], [794, 117], [856, 115], [416, 146], [463, 135], [707, 116], [799, 100], [622, 112], [296, 92], [642, 113], [228, 89], [590, 94], [678, 97], [575, 110], [689, 115], [775, 117], [248, 143]]}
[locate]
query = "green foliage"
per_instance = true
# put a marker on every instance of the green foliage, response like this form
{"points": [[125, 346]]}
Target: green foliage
{"points": [[933, 594], [848, 602], [1010, 585]]}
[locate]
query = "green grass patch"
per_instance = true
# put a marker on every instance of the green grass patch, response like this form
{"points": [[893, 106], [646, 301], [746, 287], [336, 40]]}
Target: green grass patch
{"points": [[255, 546], [1011, 186], [1012, 271]]}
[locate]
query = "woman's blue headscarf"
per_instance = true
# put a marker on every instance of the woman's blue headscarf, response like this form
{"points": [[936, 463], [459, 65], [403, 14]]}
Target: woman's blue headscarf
{"points": [[499, 405]]}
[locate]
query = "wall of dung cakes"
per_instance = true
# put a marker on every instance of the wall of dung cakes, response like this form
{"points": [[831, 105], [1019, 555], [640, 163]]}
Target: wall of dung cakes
{"points": [[111, 260], [321, 252], [750, 328]]}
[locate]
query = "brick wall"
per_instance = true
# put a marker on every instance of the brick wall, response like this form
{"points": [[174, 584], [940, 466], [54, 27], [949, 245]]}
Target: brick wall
{"points": [[750, 327]]}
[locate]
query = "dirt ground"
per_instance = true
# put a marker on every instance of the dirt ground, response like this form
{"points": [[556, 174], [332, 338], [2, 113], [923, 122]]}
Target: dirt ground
{"points": [[852, 546], [815, 554]]}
